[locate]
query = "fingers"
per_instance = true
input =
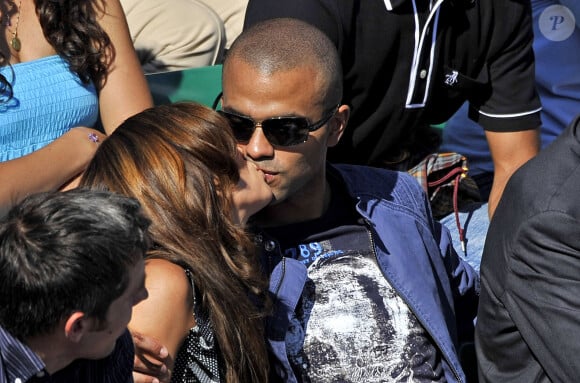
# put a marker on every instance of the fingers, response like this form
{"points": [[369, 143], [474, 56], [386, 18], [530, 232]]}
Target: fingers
{"points": [[150, 360], [141, 378], [148, 373], [149, 346]]}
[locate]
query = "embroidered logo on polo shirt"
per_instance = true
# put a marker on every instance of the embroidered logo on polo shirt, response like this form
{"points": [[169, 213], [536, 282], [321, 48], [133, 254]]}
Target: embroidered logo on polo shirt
{"points": [[557, 23], [451, 78]]}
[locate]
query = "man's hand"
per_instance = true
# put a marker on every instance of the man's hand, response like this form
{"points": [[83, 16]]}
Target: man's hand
{"points": [[150, 360]]}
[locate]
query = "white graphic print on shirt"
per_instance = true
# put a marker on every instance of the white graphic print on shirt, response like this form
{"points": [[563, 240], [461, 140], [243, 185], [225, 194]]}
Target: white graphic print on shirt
{"points": [[351, 326]]}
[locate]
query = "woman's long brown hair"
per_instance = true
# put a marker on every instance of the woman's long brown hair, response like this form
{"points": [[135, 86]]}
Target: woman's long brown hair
{"points": [[178, 161]]}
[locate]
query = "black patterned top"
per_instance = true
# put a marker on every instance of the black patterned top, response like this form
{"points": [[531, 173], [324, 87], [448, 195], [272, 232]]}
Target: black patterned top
{"points": [[197, 360]]}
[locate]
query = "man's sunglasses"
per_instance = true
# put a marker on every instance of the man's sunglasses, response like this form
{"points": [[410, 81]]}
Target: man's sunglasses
{"points": [[280, 131]]}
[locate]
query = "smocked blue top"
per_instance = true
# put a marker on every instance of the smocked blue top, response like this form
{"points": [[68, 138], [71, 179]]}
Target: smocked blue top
{"points": [[48, 101]]}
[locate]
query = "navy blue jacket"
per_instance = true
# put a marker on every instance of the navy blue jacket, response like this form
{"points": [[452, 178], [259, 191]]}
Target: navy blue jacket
{"points": [[414, 253]]}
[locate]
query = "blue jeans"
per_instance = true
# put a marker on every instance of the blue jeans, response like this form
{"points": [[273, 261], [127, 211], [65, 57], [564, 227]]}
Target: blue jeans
{"points": [[474, 220]]}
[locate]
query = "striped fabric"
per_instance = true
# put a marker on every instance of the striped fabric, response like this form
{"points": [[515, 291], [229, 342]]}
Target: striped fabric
{"points": [[18, 364]]}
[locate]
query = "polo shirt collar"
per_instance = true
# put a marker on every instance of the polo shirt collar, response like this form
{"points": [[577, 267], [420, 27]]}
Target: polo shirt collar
{"points": [[393, 4]]}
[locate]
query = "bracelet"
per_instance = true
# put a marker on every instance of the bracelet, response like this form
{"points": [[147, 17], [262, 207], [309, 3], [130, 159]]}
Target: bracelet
{"points": [[94, 138]]}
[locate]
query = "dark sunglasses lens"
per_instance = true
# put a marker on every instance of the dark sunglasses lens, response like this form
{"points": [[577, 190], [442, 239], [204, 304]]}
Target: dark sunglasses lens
{"points": [[286, 131], [242, 127]]}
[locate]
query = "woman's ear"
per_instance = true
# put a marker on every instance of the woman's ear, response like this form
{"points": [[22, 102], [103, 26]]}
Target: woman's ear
{"points": [[75, 326], [337, 125]]}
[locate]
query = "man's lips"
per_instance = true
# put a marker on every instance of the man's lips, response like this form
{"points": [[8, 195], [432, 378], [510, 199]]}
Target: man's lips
{"points": [[268, 175]]}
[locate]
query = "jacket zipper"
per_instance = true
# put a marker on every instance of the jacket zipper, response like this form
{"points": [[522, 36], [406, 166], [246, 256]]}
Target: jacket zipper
{"points": [[259, 239], [370, 234], [281, 276]]}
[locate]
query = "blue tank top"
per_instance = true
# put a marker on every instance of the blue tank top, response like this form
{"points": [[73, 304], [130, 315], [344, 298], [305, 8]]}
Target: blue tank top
{"points": [[48, 101]]}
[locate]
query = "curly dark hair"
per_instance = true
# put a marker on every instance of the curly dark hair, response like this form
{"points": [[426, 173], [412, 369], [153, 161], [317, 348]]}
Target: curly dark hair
{"points": [[72, 29], [5, 86]]}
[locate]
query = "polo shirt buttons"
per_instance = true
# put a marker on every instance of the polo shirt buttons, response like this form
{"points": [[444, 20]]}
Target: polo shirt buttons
{"points": [[423, 74]]}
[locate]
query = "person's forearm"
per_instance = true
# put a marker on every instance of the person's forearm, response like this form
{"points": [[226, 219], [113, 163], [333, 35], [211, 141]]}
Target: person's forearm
{"points": [[125, 91], [501, 177], [48, 168], [509, 151], [499, 181]]}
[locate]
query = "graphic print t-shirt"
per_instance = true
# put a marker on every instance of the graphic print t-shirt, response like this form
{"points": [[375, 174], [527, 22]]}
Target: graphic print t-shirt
{"points": [[350, 324]]}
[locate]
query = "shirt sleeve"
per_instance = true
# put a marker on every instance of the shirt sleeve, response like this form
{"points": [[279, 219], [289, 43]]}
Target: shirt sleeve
{"points": [[513, 103]]}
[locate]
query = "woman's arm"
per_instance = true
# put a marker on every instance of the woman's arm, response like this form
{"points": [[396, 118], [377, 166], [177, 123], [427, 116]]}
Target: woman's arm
{"points": [[125, 91], [47, 168], [167, 314]]}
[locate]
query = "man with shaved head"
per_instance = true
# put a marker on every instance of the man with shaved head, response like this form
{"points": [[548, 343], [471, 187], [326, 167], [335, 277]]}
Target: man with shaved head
{"points": [[365, 284], [409, 64], [412, 63], [286, 68], [360, 271]]}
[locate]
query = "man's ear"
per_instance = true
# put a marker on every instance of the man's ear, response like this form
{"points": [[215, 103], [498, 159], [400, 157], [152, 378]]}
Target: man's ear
{"points": [[338, 124], [76, 325]]}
